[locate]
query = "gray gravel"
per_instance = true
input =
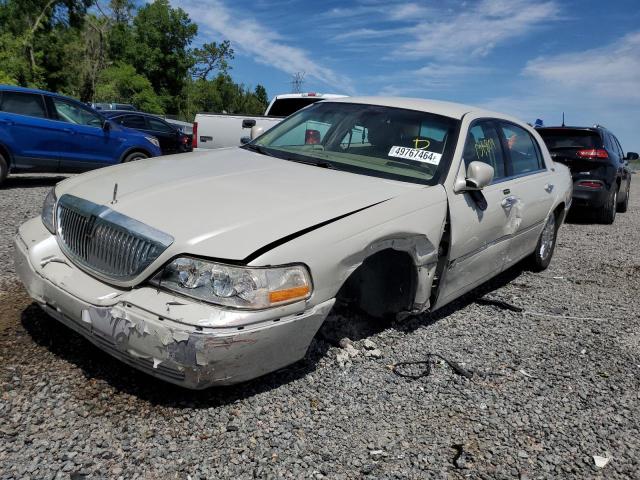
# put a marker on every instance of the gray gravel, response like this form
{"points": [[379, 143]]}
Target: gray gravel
{"points": [[553, 385]]}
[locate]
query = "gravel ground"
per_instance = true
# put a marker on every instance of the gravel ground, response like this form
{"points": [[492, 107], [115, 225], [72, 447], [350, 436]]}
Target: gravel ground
{"points": [[553, 385]]}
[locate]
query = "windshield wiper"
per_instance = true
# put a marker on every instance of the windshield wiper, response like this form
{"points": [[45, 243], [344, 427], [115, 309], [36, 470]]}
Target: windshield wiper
{"points": [[257, 148]]}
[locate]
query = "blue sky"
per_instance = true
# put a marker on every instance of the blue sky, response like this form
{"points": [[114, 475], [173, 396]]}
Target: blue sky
{"points": [[531, 59]]}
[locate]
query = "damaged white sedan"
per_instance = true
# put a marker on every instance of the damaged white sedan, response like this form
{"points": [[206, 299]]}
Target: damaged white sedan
{"points": [[217, 267]]}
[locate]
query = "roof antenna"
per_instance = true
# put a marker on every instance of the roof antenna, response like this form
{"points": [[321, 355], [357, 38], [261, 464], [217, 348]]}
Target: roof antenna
{"points": [[563, 119]]}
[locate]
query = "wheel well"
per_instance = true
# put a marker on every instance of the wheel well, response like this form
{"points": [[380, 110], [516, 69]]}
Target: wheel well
{"points": [[134, 150], [5, 153], [383, 285], [559, 211]]}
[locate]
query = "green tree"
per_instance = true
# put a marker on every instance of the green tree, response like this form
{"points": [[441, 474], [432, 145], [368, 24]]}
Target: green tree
{"points": [[261, 95], [123, 84], [212, 57], [161, 37]]}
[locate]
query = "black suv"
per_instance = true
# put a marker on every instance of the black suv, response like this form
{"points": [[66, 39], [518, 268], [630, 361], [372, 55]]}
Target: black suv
{"points": [[599, 167]]}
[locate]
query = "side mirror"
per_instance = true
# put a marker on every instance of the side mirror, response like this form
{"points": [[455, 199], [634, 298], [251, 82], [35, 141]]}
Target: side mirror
{"points": [[248, 123], [256, 132], [632, 156], [106, 126], [479, 175]]}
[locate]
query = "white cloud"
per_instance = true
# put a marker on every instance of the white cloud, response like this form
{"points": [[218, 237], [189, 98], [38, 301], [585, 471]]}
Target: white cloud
{"points": [[600, 85], [266, 46], [612, 71], [477, 30], [467, 31]]}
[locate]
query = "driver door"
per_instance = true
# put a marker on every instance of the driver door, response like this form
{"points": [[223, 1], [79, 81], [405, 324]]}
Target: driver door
{"points": [[86, 144], [481, 222]]}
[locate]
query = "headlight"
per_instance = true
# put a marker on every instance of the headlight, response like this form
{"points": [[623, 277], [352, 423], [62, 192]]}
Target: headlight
{"points": [[234, 286], [48, 211], [153, 140]]}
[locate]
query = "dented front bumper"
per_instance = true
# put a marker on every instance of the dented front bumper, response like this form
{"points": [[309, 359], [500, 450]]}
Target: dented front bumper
{"points": [[188, 343]]}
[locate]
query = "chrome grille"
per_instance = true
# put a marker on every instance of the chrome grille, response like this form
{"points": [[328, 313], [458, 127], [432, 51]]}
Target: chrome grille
{"points": [[105, 242]]}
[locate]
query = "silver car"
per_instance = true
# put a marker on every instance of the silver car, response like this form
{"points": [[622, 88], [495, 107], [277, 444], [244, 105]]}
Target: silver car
{"points": [[217, 267]]}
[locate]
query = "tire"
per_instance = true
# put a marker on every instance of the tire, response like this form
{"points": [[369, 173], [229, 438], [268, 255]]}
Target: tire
{"points": [[541, 257], [132, 157], [624, 206], [4, 169], [607, 213]]}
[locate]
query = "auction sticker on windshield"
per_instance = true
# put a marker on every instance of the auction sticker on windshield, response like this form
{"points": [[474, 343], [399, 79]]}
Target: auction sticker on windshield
{"points": [[415, 154]]}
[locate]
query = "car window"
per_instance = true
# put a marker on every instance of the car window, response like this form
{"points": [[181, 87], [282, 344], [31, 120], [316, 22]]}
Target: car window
{"points": [[617, 144], [23, 104], [159, 126], [73, 113], [483, 145], [133, 121], [371, 140], [524, 154], [563, 138]]}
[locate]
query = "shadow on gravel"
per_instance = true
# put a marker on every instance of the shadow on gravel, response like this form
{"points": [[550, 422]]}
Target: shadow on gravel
{"points": [[24, 181], [96, 364], [581, 216]]}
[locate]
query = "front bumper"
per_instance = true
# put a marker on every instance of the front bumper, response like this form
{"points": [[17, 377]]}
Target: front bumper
{"points": [[188, 343]]}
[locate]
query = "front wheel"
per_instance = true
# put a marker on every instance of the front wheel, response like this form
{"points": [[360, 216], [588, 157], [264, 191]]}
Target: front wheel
{"points": [[4, 169], [541, 257], [132, 157]]}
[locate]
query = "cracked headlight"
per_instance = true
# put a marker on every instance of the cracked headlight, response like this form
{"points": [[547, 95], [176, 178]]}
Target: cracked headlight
{"points": [[48, 211], [153, 140], [235, 286]]}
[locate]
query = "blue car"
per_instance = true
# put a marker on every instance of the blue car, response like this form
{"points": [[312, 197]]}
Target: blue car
{"points": [[45, 132]]}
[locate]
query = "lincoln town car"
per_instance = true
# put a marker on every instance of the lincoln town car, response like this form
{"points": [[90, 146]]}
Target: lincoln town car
{"points": [[216, 267]]}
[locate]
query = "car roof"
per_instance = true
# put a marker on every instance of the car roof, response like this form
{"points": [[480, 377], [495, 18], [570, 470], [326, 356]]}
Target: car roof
{"points": [[14, 88], [569, 128], [447, 109], [307, 95], [117, 113]]}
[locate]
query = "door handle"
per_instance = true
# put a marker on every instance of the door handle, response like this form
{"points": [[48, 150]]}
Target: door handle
{"points": [[509, 202], [6, 122], [549, 187], [69, 131]]}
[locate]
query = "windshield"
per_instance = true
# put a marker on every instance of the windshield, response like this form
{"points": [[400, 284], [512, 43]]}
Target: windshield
{"points": [[372, 140]]}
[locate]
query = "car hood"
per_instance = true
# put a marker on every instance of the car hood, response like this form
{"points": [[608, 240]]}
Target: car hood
{"points": [[230, 202]]}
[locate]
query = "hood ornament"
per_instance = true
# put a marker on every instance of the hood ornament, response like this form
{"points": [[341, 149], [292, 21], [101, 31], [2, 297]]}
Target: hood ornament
{"points": [[115, 194]]}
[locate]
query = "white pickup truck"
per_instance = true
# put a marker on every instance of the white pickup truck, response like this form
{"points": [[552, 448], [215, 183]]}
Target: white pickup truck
{"points": [[216, 130]]}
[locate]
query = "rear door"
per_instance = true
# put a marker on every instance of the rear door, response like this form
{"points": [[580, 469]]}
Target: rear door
{"points": [[531, 189], [31, 136], [87, 144]]}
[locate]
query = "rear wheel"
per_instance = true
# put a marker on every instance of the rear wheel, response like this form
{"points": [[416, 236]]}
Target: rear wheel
{"points": [[132, 157], [541, 257], [624, 206], [4, 169], [607, 213]]}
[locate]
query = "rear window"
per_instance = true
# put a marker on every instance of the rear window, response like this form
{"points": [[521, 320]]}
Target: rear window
{"points": [[286, 106], [570, 139], [30, 104]]}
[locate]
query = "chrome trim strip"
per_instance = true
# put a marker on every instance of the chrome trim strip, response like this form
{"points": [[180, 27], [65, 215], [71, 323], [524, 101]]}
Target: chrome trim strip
{"points": [[468, 255]]}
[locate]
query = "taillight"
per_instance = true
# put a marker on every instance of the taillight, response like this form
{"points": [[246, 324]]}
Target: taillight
{"points": [[593, 153], [589, 184], [194, 142]]}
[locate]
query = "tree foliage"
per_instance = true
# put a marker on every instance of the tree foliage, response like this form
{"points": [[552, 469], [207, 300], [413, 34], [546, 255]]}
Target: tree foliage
{"points": [[111, 50]]}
